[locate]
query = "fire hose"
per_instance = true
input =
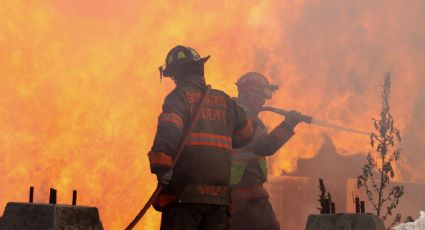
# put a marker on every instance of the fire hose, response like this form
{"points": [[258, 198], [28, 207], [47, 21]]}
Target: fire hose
{"points": [[314, 121], [176, 158]]}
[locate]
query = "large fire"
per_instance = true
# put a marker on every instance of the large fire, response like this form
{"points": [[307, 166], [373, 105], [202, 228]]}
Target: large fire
{"points": [[80, 89]]}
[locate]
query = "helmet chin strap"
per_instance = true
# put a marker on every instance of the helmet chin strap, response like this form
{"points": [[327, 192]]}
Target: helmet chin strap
{"points": [[161, 73]]}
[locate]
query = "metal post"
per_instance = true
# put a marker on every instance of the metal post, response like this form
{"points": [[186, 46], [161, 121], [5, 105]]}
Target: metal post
{"points": [[328, 206], [31, 199], [357, 204], [74, 197], [362, 209], [52, 196]]}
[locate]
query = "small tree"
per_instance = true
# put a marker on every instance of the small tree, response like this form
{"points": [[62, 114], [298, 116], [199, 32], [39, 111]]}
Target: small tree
{"points": [[378, 171]]}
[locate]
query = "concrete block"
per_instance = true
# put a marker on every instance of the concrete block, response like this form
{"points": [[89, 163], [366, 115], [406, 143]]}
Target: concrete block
{"points": [[342, 221], [31, 216]]}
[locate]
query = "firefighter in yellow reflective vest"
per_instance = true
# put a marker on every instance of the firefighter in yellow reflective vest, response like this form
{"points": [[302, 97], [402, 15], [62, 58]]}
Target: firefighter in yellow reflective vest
{"points": [[196, 193], [251, 209]]}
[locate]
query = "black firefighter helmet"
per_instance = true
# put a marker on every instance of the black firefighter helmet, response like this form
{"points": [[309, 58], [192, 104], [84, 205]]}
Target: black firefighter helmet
{"points": [[253, 82], [180, 57]]}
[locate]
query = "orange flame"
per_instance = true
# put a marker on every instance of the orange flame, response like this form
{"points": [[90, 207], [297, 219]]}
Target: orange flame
{"points": [[80, 90]]}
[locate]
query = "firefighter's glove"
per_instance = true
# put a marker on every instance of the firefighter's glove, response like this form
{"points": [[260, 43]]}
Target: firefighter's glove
{"points": [[165, 178], [292, 118]]}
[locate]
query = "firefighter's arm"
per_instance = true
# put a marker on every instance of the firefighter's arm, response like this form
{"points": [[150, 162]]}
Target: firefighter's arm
{"points": [[244, 127], [269, 144], [169, 132]]}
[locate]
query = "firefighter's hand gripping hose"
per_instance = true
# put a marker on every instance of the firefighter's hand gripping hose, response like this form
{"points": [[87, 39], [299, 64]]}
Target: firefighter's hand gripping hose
{"points": [[176, 158], [292, 118], [165, 178]]}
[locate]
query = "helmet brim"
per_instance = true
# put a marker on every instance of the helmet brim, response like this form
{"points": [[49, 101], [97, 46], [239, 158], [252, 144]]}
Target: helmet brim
{"points": [[204, 59], [274, 87]]}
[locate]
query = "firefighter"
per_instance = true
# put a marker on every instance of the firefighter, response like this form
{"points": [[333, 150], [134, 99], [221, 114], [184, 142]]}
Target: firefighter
{"points": [[197, 192], [251, 209]]}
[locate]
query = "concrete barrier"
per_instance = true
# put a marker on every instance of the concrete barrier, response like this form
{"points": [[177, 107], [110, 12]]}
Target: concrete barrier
{"points": [[32, 216], [342, 221]]}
